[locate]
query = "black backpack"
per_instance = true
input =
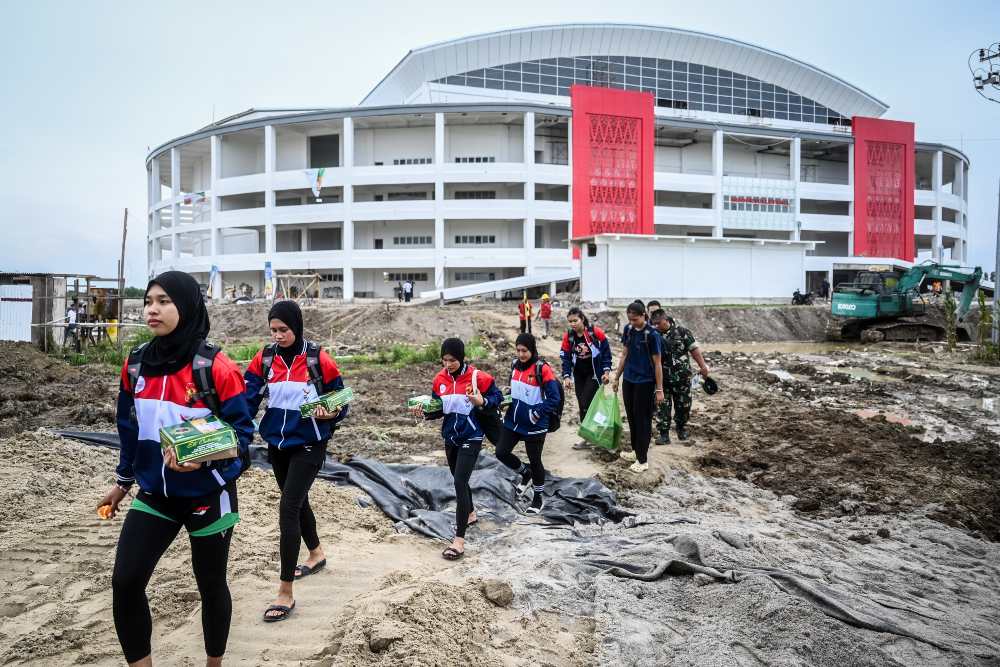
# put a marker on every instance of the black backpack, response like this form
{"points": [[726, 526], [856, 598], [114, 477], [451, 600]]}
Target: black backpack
{"points": [[201, 369], [204, 381], [555, 419], [312, 364], [489, 419]]}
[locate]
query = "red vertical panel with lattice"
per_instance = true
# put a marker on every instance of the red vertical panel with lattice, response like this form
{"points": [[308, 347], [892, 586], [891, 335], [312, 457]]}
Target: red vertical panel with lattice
{"points": [[612, 161], [883, 188]]}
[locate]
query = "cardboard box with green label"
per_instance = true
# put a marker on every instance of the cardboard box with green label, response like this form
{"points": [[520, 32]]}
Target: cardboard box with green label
{"points": [[202, 439], [333, 402]]}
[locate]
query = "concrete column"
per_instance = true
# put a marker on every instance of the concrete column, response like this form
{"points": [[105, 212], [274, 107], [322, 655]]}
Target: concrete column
{"points": [[936, 184], [438, 140], [270, 240], [529, 139], [796, 168], [850, 167], [215, 169], [175, 172], [439, 233], [154, 183], [270, 149], [717, 171], [529, 191], [958, 187], [569, 152], [304, 239], [347, 235]]}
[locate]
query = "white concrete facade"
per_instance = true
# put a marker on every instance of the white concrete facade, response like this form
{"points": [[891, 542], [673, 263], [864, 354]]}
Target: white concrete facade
{"points": [[454, 184], [688, 269]]}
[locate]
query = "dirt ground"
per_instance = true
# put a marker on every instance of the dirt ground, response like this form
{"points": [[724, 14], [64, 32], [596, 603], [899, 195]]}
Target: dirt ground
{"points": [[833, 446]]}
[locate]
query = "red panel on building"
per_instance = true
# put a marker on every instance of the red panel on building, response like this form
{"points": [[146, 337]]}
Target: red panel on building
{"points": [[612, 161], [883, 188]]}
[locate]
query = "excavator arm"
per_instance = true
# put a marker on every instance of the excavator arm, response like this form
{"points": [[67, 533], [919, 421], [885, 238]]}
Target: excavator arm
{"points": [[969, 278]]}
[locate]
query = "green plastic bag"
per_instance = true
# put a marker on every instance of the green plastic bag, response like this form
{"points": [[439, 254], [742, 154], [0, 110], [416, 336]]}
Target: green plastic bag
{"points": [[602, 426]]}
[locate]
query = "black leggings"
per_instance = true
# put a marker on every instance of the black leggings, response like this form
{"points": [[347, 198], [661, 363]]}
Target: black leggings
{"points": [[585, 386], [532, 445], [295, 469], [143, 541], [639, 402], [462, 459]]}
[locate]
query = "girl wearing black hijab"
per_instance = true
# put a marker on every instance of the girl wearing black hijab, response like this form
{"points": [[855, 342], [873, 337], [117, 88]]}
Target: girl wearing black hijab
{"points": [[296, 445], [535, 396], [462, 389], [201, 497]]}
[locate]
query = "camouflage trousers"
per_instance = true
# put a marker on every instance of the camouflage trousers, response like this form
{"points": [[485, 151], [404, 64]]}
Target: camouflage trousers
{"points": [[676, 400]]}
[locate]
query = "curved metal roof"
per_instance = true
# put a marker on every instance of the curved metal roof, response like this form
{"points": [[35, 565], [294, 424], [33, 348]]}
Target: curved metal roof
{"points": [[583, 39]]}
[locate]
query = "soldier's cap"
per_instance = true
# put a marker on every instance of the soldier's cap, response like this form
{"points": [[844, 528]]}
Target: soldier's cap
{"points": [[710, 386]]}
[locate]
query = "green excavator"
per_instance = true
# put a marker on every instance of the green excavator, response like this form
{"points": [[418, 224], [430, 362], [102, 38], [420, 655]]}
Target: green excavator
{"points": [[887, 305]]}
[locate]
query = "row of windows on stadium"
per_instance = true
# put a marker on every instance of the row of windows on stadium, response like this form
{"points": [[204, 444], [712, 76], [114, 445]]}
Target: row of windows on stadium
{"points": [[661, 198], [393, 276], [426, 160]]}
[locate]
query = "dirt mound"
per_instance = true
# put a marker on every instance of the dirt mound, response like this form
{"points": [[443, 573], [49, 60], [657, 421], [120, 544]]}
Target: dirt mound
{"points": [[844, 446], [418, 623], [40, 390], [347, 329]]}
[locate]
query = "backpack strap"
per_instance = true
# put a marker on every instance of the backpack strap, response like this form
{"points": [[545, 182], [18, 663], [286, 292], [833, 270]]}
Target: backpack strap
{"points": [[204, 382], [134, 367], [539, 365], [267, 358], [313, 366]]}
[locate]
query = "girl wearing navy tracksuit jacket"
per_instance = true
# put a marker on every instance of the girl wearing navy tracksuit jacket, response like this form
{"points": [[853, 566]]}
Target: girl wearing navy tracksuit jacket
{"points": [[534, 400], [296, 445], [463, 436], [158, 389], [586, 361]]}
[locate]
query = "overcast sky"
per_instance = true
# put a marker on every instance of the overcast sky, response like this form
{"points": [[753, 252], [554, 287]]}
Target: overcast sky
{"points": [[89, 87]]}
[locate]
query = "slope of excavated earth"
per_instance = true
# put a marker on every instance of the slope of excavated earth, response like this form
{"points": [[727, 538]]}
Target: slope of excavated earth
{"points": [[845, 434], [40, 390]]}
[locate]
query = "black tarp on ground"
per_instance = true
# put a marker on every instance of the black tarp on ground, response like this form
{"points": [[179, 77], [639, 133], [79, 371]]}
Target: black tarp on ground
{"points": [[422, 497]]}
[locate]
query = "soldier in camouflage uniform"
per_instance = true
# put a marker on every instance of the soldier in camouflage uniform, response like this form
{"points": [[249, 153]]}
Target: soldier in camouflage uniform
{"points": [[678, 346]]}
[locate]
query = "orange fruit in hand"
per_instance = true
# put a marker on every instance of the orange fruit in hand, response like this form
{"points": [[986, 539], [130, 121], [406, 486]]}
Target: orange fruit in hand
{"points": [[104, 511]]}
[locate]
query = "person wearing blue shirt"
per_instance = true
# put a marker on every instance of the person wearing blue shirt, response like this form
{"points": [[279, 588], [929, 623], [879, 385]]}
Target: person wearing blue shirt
{"points": [[642, 389]]}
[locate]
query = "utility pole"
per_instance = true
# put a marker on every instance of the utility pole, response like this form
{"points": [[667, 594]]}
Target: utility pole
{"points": [[996, 277]]}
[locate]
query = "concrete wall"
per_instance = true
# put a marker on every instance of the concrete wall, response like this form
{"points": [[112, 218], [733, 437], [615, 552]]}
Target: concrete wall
{"points": [[693, 159], [365, 233], [706, 271], [291, 150], [387, 144], [242, 154], [372, 281], [503, 142], [508, 234]]}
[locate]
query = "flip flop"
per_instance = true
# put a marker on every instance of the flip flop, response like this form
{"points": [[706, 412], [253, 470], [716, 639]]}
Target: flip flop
{"points": [[285, 612], [305, 570], [472, 523], [451, 553]]}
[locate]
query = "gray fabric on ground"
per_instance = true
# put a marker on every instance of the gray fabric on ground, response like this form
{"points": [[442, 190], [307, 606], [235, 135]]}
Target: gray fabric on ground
{"points": [[422, 497], [719, 572]]}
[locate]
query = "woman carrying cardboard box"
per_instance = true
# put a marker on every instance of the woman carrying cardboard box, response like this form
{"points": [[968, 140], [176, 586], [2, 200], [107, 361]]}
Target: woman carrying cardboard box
{"points": [[175, 377], [292, 371]]}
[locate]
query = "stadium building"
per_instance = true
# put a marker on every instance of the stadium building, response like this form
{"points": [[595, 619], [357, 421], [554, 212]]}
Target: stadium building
{"points": [[508, 159]]}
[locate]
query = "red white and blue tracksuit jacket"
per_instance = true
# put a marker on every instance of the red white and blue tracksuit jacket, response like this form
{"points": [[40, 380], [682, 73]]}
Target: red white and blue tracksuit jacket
{"points": [[460, 424], [533, 399], [160, 401], [592, 345], [282, 425]]}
